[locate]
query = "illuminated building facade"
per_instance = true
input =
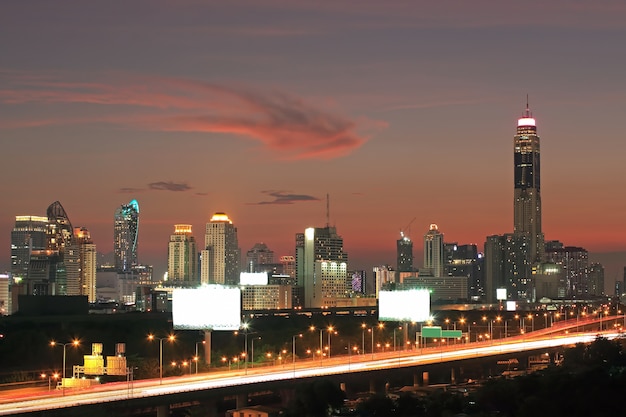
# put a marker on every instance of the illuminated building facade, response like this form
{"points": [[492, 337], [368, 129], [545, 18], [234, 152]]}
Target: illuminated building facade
{"points": [[527, 181], [221, 256], [383, 275], [59, 231], [81, 265], [358, 281], [5, 300], [441, 288], [507, 266], [575, 263], [404, 254], [334, 278], [28, 236], [182, 257], [314, 247], [549, 280], [433, 252], [465, 261], [125, 236], [288, 263], [266, 297]]}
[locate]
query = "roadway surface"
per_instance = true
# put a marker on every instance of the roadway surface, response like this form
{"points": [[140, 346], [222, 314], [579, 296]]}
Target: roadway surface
{"points": [[560, 334]]}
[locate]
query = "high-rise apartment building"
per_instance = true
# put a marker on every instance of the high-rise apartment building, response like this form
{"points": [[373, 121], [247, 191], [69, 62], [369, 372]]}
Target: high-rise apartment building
{"points": [[321, 264], [81, 264], [125, 235], [60, 231], [182, 257], [465, 261], [28, 236], [404, 254], [221, 256], [507, 266], [527, 181], [575, 262], [596, 279], [433, 252], [259, 255]]}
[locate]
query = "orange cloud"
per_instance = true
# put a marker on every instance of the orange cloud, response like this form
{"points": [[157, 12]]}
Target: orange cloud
{"points": [[282, 123]]}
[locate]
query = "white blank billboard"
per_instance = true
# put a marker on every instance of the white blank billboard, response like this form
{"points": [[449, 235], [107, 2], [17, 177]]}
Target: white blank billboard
{"points": [[405, 305], [253, 278], [210, 307]]}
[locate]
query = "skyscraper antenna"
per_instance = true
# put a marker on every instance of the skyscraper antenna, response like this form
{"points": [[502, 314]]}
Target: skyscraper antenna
{"points": [[327, 210], [527, 111]]}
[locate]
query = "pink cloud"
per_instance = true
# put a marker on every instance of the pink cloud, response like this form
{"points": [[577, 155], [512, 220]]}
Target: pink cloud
{"points": [[280, 122]]}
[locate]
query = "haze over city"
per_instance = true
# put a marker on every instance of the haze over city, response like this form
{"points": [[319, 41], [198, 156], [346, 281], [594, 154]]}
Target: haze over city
{"points": [[398, 111]]}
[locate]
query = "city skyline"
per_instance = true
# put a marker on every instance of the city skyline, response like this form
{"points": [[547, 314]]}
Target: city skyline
{"points": [[397, 111]]}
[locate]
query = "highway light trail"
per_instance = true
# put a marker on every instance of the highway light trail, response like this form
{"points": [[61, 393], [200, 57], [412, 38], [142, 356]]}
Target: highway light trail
{"points": [[304, 369]]}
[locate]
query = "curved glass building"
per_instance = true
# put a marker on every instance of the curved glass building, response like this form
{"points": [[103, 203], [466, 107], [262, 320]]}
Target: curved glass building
{"points": [[125, 233]]}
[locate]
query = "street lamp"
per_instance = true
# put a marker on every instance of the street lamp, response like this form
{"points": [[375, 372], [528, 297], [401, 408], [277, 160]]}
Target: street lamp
{"points": [[380, 326], [196, 358], [506, 326], [184, 364], [252, 350], [50, 377], [293, 349], [363, 327], [532, 323], [312, 328], [484, 319], [394, 337], [462, 322], [329, 331], [245, 327], [75, 343], [170, 338]]}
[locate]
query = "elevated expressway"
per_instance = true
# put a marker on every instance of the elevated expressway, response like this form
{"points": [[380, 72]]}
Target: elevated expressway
{"points": [[141, 393]]}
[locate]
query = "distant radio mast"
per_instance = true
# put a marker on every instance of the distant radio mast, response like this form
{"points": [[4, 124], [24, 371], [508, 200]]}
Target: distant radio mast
{"points": [[327, 210]]}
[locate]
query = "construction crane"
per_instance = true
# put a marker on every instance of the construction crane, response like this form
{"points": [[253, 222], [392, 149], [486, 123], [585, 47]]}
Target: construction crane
{"points": [[407, 228]]}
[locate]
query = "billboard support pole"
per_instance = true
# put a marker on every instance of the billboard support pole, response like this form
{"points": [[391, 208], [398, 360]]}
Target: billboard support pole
{"points": [[207, 346]]}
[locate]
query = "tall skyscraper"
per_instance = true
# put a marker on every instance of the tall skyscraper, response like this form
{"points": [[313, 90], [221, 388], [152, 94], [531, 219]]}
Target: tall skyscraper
{"points": [[221, 256], [321, 265], [60, 231], [527, 180], [433, 252], [125, 234], [404, 253], [81, 263], [28, 235], [182, 257]]}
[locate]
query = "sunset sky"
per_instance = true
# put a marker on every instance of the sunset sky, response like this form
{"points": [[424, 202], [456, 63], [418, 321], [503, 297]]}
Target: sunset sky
{"points": [[399, 110]]}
